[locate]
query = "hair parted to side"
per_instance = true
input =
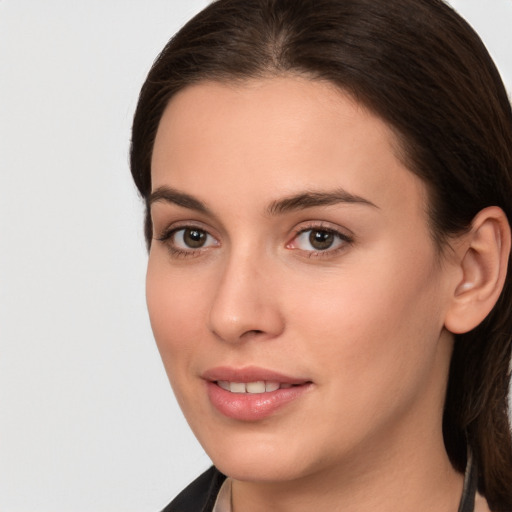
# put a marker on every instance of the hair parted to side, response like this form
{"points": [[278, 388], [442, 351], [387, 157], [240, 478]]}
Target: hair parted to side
{"points": [[422, 69]]}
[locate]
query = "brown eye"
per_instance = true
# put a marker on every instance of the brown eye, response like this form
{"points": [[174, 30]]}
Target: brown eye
{"points": [[321, 240], [193, 238], [189, 239]]}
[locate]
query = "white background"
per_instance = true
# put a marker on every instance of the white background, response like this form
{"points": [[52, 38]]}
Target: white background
{"points": [[87, 419]]}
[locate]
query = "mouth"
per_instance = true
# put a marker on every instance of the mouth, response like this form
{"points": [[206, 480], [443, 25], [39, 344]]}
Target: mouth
{"points": [[252, 394]]}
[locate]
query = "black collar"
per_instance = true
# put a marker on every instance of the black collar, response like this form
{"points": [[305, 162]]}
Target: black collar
{"points": [[467, 500]]}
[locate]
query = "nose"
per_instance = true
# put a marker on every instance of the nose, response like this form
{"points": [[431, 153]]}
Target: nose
{"points": [[246, 302]]}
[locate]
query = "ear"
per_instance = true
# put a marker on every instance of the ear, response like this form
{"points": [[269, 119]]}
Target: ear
{"points": [[482, 257]]}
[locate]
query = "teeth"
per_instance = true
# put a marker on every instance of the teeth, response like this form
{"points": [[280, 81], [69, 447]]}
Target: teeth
{"points": [[252, 387], [255, 387], [237, 387], [224, 385], [271, 386]]}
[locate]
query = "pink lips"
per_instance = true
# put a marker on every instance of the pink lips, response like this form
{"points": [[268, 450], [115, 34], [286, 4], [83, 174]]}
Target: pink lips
{"points": [[251, 406]]}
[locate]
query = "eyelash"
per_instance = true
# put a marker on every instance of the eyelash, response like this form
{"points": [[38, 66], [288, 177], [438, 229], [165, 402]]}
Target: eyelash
{"points": [[344, 239], [177, 252]]}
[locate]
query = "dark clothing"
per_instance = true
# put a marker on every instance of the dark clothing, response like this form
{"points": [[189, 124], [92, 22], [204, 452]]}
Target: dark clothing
{"points": [[201, 494]]}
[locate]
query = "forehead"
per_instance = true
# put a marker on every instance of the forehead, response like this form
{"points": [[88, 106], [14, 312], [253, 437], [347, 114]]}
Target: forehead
{"points": [[276, 134]]}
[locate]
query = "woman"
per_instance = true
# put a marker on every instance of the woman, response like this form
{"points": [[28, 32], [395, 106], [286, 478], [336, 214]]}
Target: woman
{"points": [[328, 187]]}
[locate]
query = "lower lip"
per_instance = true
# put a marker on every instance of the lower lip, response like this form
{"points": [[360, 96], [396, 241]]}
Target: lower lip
{"points": [[252, 406]]}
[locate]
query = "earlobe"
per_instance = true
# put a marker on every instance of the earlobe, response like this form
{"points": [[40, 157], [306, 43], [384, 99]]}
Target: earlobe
{"points": [[482, 257]]}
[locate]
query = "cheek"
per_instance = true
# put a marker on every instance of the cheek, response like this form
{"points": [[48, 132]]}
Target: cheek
{"points": [[376, 324], [176, 309]]}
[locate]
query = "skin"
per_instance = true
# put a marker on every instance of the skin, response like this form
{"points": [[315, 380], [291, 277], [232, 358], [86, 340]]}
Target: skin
{"points": [[363, 320]]}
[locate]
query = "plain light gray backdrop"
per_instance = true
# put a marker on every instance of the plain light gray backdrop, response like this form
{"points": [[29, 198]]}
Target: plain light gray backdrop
{"points": [[87, 419]]}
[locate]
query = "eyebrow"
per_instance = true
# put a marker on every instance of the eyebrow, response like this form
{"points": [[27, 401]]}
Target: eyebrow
{"points": [[311, 199], [301, 201], [170, 195]]}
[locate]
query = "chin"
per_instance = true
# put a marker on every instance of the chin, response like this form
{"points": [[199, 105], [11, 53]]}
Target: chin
{"points": [[261, 469], [257, 458]]}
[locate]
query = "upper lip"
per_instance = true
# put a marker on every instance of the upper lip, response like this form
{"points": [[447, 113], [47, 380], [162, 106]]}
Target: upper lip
{"points": [[249, 374]]}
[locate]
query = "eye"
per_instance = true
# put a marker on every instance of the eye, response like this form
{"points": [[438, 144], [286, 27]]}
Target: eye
{"points": [[191, 238], [187, 241], [319, 239]]}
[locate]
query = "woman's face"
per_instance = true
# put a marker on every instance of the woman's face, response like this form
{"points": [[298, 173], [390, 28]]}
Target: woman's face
{"points": [[293, 287]]}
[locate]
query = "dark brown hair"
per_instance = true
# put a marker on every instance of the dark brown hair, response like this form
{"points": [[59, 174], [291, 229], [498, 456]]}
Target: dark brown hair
{"points": [[421, 68]]}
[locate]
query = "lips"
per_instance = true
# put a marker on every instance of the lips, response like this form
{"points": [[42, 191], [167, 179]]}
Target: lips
{"points": [[252, 394]]}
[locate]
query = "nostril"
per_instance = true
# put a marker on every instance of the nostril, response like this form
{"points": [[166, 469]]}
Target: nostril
{"points": [[254, 331]]}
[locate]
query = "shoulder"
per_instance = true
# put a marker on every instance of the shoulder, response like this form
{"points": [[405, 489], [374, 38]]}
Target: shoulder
{"points": [[200, 495]]}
